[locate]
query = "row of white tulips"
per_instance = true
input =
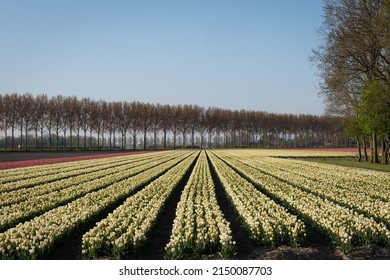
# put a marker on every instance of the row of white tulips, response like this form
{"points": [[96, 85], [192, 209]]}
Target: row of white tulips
{"points": [[343, 225], [345, 192], [21, 173], [49, 173], [36, 205], [37, 237], [125, 229], [258, 153], [8, 174], [86, 175], [199, 225], [371, 182], [267, 222]]}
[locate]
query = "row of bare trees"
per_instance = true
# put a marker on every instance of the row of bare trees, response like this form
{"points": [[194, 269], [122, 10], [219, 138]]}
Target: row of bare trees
{"points": [[59, 122]]}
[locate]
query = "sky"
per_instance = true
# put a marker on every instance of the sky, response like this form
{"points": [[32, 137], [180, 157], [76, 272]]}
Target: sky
{"points": [[242, 54]]}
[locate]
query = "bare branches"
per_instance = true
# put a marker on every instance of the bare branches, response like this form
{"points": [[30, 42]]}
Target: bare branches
{"points": [[54, 122]]}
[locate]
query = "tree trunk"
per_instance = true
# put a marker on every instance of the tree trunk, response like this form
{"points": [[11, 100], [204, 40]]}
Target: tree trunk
{"points": [[50, 140], [12, 137], [192, 139], [57, 138], [145, 132], [387, 154], [165, 139], [374, 150], [113, 137], [365, 149], [98, 140], [174, 140], [359, 159], [85, 139], [21, 136], [65, 140], [36, 139], [70, 147], [42, 138], [154, 140], [184, 140], [134, 140], [26, 131], [124, 140], [383, 148], [6, 138]]}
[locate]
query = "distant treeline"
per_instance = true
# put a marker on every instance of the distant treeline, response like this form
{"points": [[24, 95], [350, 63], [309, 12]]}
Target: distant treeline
{"points": [[38, 122]]}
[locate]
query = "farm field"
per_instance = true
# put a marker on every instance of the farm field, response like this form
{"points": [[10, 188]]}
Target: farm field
{"points": [[351, 162], [195, 204], [15, 159]]}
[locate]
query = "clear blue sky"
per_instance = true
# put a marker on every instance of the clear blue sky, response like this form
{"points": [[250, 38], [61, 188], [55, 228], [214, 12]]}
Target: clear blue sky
{"points": [[232, 54]]}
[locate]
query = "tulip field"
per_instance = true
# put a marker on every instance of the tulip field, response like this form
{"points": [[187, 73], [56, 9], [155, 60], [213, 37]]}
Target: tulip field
{"points": [[192, 204]]}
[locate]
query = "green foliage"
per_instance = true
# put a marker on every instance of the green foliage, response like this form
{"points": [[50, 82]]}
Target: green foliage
{"points": [[374, 112], [352, 126]]}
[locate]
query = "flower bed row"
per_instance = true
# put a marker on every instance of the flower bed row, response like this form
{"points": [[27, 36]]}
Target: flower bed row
{"points": [[13, 175], [199, 225], [36, 205], [49, 173], [49, 161], [345, 192], [128, 226], [38, 236], [288, 153], [86, 175], [344, 226], [372, 183], [267, 222]]}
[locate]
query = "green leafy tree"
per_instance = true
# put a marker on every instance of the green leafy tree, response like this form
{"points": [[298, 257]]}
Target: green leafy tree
{"points": [[375, 115]]}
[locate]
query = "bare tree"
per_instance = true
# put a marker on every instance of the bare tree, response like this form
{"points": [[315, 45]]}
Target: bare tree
{"points": [[56, 119], [9, 116], [135, 115], [194, 117], [3, 121], [85, 117], [156, 115], [175, 122], [71, 106], [166, 122], [146, 120], [38, 118]]}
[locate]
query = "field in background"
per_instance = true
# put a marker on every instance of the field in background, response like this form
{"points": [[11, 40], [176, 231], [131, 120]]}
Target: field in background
{"points": [[240, 204], [351, 162]]}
